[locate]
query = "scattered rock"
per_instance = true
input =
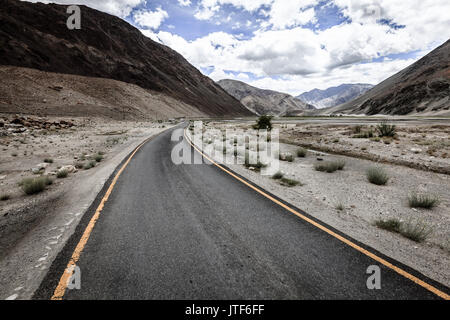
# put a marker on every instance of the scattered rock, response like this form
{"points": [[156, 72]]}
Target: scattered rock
{"points": [[69, 169]]}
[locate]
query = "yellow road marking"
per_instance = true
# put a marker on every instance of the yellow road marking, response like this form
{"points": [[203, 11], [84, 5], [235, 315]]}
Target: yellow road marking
{"points": [[330, 232], [63, 282]]}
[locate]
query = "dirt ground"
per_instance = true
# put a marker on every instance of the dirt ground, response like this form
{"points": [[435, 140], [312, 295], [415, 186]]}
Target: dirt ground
{"points": [[417, 146], [347, 201]]}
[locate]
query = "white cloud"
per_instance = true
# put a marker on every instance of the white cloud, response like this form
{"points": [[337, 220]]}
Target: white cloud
{"points": [[208, 8], [425, 21], [120, 8], [150, 19], [291, 13], [184, 3]]}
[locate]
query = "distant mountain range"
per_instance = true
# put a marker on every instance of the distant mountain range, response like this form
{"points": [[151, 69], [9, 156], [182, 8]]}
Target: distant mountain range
{"points": [[35, 35], [422, 88], [265, 102], [334, 96]]}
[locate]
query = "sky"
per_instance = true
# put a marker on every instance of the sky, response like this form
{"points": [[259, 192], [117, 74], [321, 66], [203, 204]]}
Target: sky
{"points": [[290, 46]]}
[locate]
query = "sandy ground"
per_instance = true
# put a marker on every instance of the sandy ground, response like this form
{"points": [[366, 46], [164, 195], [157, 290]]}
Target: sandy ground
{"points": [[364, 202], [424, 147], [33, 229]]}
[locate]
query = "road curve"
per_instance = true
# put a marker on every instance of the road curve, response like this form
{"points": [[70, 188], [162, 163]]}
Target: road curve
{"points": [[194, 232]]}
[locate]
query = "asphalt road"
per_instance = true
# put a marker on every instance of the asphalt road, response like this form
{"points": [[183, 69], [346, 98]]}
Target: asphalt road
{"points": [[195, 232]]}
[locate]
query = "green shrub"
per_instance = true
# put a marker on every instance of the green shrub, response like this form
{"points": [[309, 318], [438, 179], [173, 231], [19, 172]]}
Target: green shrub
{"points": [[258, 165], [263, 123], [61, 174], [48, 160], [377, 176], [289, 182], [330, 166], [416, 231], [302, 152], [340, 207], [98, 158], [392, 225], [35, 185], [364, 135], [79, 165], [278, 176], [286, 157], [425, 201], [386, 130], [89, 165], [5, 197]]}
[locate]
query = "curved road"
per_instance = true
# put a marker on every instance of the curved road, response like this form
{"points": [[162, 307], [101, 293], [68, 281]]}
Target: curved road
{"points": [[195, 232]]}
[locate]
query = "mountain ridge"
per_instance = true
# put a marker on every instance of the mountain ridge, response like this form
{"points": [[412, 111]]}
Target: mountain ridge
{"points": [[265, 102], [334, 96], [422, 88], [105, 47]]}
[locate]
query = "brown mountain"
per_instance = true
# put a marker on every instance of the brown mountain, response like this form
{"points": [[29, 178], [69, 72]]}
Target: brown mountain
{"points": [[36, 36], [265, 102], [422, 88]]}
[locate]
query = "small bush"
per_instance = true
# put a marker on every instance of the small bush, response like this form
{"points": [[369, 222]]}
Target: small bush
{"points": [[79, 165], [258, 165], [48, 160], [61, 174], [98, 158], [89, 165], [330, 166], [416, 231], [301, 153], [425, 201], [386, 130], [289, 182], [263, 123], [357, 129], [340, 207], [5, 197], [35, 185], [377, 176], [364, 135], [278, 176], [392, 225], [286, 157]]}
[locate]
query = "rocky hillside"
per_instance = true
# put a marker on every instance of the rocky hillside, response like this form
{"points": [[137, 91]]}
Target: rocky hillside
{"points": [[35, 35], [334, 96], [265, 102], [34, 92], [422, 88]]}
